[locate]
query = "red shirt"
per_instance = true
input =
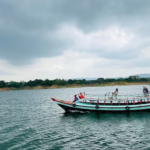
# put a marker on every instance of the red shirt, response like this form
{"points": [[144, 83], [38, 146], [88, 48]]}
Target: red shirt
{"points": [[81, 96]]}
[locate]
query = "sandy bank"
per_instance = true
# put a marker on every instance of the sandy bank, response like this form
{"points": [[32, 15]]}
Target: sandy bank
{"points": [[77, 86]]}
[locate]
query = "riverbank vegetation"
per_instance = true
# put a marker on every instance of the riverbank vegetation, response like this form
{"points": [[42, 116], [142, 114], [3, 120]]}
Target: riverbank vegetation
{"points": [[61, 83]]}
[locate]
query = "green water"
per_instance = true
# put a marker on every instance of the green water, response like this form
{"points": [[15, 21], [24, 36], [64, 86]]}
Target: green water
{"points": [[30, 120]]}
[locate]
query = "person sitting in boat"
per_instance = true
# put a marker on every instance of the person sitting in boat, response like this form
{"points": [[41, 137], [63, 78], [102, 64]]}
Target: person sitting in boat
{"points": [[81, 96], [145, 90], [115, 93], [75, 98]]}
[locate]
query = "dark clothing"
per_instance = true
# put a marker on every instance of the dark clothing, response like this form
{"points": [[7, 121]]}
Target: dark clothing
{"points": [[76, 98], [145, 90]]}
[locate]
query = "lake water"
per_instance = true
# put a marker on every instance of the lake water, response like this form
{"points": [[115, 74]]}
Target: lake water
{"points": [[30, 120]]}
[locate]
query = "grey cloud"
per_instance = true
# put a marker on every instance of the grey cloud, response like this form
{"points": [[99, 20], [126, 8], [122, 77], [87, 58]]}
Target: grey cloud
{"points": [[22, 24], [117, 55], [136, 63], [90, 14], [19, 48]]}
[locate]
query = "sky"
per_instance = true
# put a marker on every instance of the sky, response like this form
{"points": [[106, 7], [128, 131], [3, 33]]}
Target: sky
{"points": [[49, 39]]}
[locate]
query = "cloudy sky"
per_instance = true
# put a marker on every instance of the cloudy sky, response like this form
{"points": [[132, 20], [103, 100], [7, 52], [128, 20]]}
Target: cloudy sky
{"points": [[42, 39]]}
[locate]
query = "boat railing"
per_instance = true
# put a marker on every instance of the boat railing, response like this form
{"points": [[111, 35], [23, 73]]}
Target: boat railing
{"points": [[109, 94], [120, 95], [108, 97], [116, 98], [121, 100]]}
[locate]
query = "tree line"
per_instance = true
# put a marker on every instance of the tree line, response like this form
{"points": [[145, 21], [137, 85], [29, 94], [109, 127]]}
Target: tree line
{"points": [[62, 82]]}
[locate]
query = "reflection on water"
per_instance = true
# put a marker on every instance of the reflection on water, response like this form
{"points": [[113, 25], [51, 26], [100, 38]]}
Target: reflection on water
{"points": [[30, 120]]}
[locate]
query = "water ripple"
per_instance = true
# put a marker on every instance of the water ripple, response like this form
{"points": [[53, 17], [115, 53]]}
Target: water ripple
{"points": [[30, 120]]}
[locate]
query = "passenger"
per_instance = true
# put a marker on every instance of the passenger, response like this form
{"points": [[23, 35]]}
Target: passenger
{"points": [[115, 93], [145, 90], [76, 98], [81, 96]]}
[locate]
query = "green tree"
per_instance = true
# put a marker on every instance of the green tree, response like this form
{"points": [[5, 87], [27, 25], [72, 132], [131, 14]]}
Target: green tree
{"points": [[2, 84], [100, 80]]}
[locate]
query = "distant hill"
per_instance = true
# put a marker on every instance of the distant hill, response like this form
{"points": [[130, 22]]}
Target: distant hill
{"points": [[86, 78], [146, 75], [94, 78]]}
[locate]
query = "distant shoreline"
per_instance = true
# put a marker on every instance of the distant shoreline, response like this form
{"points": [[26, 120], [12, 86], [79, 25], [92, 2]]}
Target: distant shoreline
{"points": [[75, 86]]}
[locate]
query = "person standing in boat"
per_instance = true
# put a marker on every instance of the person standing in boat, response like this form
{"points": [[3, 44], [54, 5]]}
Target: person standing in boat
{"points": [[145, 90]]}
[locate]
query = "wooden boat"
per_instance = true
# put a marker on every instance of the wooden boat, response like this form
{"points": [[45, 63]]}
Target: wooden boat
{"points": [[107, 103]]}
